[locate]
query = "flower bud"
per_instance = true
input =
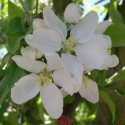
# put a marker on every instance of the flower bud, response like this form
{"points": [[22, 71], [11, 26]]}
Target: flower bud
{"points": [[39, 54], [72, 13], [38, 23], [29, 52]]}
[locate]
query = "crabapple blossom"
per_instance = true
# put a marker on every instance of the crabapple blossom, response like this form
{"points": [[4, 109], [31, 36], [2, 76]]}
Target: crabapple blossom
{"points": [[38, 81]]}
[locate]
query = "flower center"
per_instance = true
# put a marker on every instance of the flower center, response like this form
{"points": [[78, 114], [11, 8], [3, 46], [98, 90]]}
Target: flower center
{"points": [[85, 81], [44, 77], [70, 43]]}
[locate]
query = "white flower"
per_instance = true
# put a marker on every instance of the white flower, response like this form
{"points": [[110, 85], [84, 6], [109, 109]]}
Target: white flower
{"points": [[72, 13], [88, 90], [53, 38], [39, 81]]}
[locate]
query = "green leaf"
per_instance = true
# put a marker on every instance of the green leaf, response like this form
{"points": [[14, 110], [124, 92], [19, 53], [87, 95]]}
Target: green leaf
{"points": [[14, 40], [120, 75], [114, 13], [14, 11], [15, 25], [117, 34], [109, 101], [12, 75], [69, 99], [4, 104], [119, 91]]}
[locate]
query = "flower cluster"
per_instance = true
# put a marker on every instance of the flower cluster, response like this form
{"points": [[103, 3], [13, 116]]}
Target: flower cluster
{"points": [[60, 56]]}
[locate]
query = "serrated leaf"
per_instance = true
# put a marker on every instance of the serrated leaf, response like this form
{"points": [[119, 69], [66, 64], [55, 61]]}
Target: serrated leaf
{"points": [[15, 25], [69, 99], [117, 34], [12, 75], [114, 13], [109, 102], [120, 75], [14, 40], [14, 11]]}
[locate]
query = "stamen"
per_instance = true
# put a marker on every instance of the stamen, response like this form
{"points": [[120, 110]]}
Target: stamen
{"points": [[44, 77], [70, 43], [85, 81]]}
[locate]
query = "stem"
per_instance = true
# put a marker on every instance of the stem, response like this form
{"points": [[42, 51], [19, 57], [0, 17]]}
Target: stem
{"points": [[37, 6]]}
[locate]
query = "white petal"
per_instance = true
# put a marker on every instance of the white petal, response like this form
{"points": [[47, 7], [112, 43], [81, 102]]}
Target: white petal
{"points": [[115, 61], [38, 23], [90, 55], [63, 80], [52, 100], [87, 69], [110, 61], [53, 22], [73, 67], [84, 29], [100, 40], [90, 91], [29, 64], [101, 27], [72, 13], [53, 61], [25, 89], [39, 54], [64, 93], [29, 52], [107, 62], [45, 40]]}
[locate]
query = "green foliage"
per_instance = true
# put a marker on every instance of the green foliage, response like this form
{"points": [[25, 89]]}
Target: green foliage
{"points": [[117, 34], [12, 75], [69, 99], [114, 13], [14, 11], [92, 107], [109, 102], [120, 75], [119, 91], [15, 25], [14, 40]]}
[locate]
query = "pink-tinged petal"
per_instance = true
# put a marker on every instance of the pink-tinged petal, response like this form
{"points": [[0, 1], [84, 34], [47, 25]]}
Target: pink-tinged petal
{"points": [[73, 67], [63, 80], [25, 89], [29, 64], [89, 90], [53, 61], [53, 22], [101, 27], [45, 40], [52, 100], [29, 52], [84, 29]]}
